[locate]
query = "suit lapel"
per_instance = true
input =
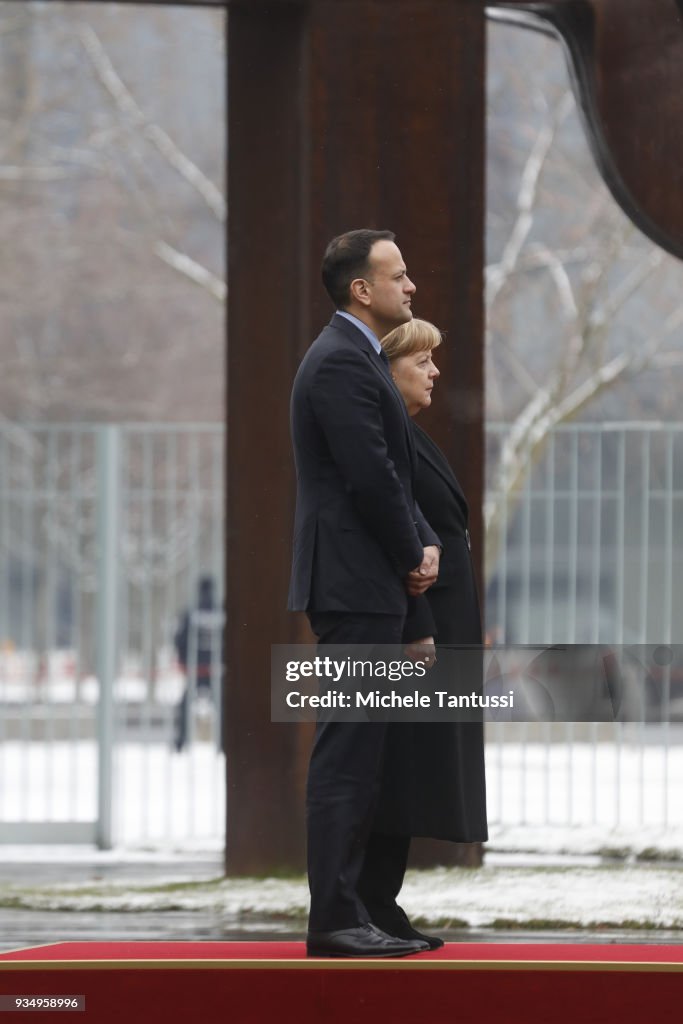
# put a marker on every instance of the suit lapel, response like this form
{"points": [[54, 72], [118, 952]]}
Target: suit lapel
{"points": [[379, 366]]}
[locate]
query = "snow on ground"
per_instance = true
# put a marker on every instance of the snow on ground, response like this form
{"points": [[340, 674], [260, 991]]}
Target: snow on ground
{"points": [[494, 896], [623, 896], [651, 843]]}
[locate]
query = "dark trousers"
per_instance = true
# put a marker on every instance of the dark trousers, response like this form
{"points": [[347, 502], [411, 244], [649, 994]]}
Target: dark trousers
{"points": [[381, 877], [348, 866]]}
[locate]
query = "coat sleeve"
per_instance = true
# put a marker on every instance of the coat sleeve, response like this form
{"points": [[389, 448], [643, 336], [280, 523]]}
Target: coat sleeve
{"points": [[425, 532], [419, 621], [346, 402]]}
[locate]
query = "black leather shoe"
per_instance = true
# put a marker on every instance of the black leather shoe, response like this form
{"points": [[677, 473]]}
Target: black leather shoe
{"points": [[394, 921], [364, 941]]}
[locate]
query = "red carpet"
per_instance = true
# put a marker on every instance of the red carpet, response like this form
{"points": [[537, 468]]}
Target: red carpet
{"points": [[255, 982]]}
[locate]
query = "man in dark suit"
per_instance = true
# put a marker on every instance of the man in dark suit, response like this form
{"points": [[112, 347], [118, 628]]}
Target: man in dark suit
{"points": [[361, 547]]}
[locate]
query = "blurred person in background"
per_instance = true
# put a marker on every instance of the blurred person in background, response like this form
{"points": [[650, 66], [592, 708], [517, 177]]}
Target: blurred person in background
{"points": [[198, 643]]}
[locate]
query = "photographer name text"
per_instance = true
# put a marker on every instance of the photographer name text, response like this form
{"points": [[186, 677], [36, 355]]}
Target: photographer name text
{"points": [[394, 699]]}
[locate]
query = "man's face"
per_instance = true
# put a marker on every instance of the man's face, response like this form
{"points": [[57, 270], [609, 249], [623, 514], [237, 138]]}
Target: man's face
{"points": [[389, 289]]}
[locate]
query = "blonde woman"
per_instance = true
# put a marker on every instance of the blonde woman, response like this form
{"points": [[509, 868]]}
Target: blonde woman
{"points": [[433, 782]]}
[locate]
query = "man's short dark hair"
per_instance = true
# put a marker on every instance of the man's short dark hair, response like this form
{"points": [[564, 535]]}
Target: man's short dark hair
{"points": [[346, 258]]}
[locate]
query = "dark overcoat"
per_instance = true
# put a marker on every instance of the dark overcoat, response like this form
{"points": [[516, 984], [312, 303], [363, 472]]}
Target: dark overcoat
{"points": [[433, 782]]}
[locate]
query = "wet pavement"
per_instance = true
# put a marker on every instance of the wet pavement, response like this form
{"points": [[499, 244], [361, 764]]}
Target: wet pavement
{"points": [[23, 928], [44, 866], [20, 928], [35, 866]]}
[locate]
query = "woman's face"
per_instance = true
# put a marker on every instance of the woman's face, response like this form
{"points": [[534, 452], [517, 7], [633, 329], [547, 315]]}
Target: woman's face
{"points": [[415, 375]]}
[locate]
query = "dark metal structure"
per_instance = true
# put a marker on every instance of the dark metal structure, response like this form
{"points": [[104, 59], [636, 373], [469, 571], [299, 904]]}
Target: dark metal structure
{"points": [[345, 113], [340, 115], [626, 64]]}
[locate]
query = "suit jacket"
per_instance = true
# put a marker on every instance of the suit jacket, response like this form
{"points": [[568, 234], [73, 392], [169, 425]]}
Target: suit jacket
{"points": [[433, 780], [358, 531]]}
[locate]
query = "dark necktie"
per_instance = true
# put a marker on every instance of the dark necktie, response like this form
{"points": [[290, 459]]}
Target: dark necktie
{"points": [[384, 357]]}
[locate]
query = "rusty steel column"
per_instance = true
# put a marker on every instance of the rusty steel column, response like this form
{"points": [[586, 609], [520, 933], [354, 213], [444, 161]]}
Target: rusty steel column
{"points": [[266, 314], [363, 113], [627, 71]]}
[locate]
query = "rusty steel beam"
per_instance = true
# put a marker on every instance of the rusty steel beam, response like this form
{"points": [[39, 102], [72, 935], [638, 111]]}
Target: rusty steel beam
{"points": [[630, 78], [267, 316], [334, 123], [343, 114], [626, 63]]}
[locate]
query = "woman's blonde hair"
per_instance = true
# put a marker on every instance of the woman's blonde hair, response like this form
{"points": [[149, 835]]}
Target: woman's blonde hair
{"points": [[413, 336]]}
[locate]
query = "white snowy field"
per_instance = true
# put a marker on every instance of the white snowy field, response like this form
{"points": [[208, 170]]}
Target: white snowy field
{"points": [[553, 812], [626, 785], [27, 680], [583, 798], [160, 798]]}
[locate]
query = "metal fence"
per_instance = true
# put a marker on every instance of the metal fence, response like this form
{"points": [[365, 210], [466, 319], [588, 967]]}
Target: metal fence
{"points": [[105, 532], [587, 550]]}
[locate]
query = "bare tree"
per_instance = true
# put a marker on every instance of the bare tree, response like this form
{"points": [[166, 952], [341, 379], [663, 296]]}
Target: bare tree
{"points": [[113, 289], [118, 222]]}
